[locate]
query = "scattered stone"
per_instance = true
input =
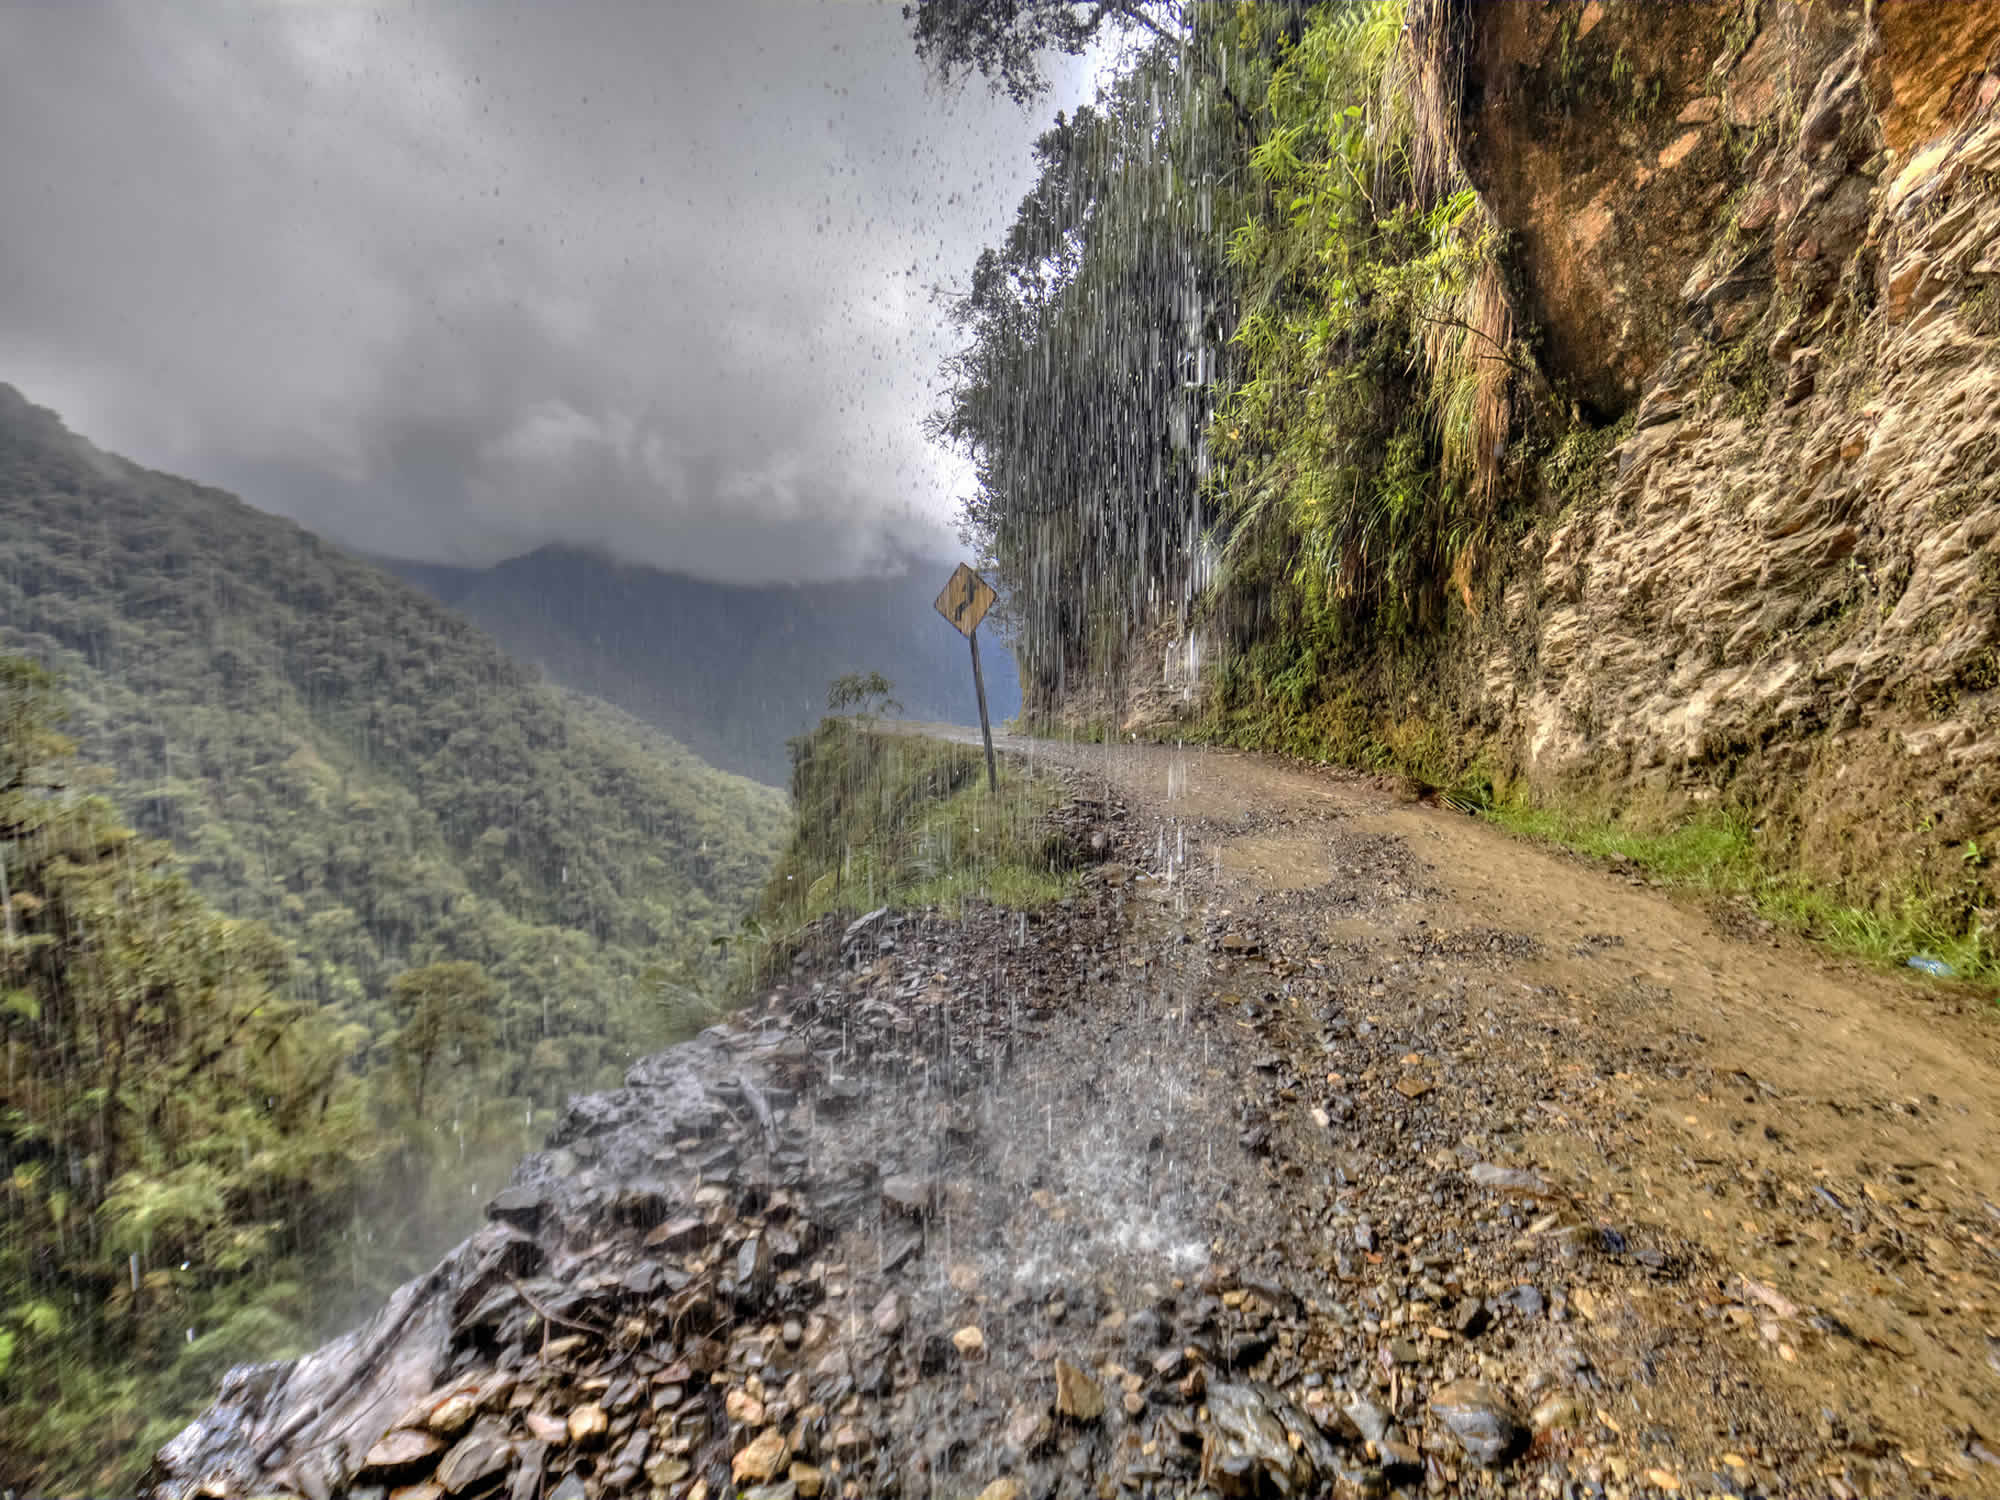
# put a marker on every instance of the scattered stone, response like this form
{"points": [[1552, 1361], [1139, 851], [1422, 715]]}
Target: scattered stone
{"points": [[454, 1414], [1257, 1442], [970, 1342], [764, 1458], [900, 1247], [664, 1470], [545, 1428], [1007, 1488], [850, 1441], [520, 1206], [644, 1280], [1370, 1420], [478, 1460], [678, 1234], [1078, 1396], [1508, 1180], [588, 1425], [1483, 1419], [907, 1194], [1563, 1409], [1029, 1429], [402, 1454]]}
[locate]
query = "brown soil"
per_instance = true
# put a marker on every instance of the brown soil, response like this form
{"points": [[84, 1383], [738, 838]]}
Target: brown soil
{"points": [[1813, 1141]]}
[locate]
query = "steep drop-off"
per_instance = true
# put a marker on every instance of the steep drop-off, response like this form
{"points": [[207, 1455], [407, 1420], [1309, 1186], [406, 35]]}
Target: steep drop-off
{"points": [[333, 754]]}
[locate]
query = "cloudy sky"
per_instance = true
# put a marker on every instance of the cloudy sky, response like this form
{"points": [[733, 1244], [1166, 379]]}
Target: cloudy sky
{"points": [[453, 280]]}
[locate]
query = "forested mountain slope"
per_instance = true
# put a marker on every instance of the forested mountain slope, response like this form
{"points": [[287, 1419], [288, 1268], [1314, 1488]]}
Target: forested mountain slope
{"points": [[732, 671], [336, 755]]}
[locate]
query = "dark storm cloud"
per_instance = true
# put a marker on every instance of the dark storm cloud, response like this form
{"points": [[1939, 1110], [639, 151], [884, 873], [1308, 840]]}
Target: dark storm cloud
{"points": [[452, 281]]}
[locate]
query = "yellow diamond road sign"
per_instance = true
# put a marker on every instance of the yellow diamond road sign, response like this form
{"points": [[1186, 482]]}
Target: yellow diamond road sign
{"points": [[965, 600]]}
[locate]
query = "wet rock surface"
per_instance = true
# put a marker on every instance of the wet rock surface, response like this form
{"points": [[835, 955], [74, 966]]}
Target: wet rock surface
{"points": [[1230, 1177]]}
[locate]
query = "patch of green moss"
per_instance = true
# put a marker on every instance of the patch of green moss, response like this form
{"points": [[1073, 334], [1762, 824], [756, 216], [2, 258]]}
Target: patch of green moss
{"points": [[1578, 464], [1981, 311], [1739, 378]]}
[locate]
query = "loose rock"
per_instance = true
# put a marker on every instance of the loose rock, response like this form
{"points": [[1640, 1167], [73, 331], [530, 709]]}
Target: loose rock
{"points": [[1482, 1418], [1078, 1396], [763, 1459]]}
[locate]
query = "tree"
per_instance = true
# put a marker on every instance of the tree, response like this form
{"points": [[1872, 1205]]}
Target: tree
{"points": [[1096, 330], [872, 694], [178, 1138], [1004, 39], [445, 1010]]}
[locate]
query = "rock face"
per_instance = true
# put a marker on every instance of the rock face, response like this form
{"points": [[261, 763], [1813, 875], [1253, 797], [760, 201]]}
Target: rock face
{"points": [[1585, 121], [1761, 245], [1795, 573]]}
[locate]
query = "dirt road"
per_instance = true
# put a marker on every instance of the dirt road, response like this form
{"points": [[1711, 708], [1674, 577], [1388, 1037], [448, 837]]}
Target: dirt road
{"points": [[1769, 1203]]}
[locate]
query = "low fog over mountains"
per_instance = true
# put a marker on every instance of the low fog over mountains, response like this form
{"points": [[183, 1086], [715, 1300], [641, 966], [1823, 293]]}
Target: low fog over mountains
{"points": [[731, 671]]}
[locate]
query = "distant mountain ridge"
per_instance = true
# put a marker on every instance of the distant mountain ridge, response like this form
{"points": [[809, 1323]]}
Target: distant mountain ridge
{"points": [[731, 671]]}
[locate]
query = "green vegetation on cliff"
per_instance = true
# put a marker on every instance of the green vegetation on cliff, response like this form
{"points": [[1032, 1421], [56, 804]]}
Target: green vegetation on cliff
{"points": [[183, 1139], [1279, 356]]}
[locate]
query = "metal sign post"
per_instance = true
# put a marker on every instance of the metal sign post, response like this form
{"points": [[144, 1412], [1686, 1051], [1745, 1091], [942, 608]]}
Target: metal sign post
{"points": [[964, 602]]}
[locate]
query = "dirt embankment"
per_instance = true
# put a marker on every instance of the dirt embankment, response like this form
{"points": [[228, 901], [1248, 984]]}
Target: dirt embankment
{"points": [[1320, 1144]]}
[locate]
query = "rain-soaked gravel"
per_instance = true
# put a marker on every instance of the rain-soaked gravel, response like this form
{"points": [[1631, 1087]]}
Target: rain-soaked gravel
{"points": [[1246, 1172]]}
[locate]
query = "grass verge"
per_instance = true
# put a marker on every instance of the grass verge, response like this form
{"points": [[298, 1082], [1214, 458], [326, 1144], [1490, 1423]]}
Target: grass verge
{"points": [[1715, 853], [1718, 854], [887, 819]]}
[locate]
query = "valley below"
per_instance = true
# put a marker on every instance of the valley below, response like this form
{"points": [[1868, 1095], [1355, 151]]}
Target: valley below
{"points": [[1314, 1143]]}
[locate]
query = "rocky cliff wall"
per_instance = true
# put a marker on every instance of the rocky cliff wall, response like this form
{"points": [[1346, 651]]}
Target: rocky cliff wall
{"points": [[1758, 244], [1793, 575]]}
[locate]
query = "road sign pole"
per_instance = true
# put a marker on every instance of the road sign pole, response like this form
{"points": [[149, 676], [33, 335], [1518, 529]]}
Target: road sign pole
{"points": [[964, 602], [985, 724]]}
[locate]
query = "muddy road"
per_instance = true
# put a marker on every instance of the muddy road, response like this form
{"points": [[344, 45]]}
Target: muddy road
{"points": [[1319, 1145], [1768, 1210]]}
